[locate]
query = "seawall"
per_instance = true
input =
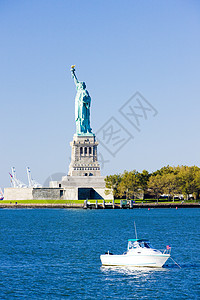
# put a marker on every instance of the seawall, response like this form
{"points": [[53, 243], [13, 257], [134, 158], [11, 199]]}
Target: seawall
{"points": [[98, 206]]}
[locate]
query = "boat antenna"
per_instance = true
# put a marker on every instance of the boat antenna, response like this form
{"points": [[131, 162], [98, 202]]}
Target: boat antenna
{"points": [[135, 230]]}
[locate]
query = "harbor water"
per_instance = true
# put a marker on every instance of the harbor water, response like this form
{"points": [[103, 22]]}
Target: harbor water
{"points": [[55, 253]]}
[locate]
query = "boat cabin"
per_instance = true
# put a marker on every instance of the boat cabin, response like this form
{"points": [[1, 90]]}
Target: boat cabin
{"points": [[138, 243]]}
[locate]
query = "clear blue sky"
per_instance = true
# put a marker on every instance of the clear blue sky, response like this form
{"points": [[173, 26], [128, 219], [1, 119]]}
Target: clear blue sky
{"points": [[119, 47]]}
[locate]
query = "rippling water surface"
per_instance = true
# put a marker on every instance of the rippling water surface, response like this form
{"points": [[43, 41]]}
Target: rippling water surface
{"points": [[54, 254]]}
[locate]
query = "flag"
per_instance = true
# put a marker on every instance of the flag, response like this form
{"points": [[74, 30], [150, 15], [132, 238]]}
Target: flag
{"points": [[168, 247]]}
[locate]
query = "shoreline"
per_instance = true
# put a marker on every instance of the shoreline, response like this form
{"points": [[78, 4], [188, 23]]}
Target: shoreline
{"points": [[93, 206]]}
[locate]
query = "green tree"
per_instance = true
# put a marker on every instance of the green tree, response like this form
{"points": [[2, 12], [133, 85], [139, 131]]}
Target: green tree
{"points": [[143, 179], [129, 185], [164, 170], [156, 185], [170, 184], [112, 184], [187, 182], [169, 180], [197, 184]]}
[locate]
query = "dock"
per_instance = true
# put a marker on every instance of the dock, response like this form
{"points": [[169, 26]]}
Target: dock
{"points": [[130, 204]]}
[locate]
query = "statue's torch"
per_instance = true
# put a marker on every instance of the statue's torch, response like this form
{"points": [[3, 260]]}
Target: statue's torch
{"points": [[73, 69]]}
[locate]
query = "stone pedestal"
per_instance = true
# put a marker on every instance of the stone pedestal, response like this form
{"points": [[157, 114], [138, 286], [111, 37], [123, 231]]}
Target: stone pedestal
{"points": [[84, 156], [84, 180]]}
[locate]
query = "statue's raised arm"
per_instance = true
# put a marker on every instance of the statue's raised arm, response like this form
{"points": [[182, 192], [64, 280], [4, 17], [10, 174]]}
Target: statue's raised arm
{"points": [[74, 75]]}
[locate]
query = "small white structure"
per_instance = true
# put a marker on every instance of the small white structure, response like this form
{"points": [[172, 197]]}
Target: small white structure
{"points": [[18, 193]]}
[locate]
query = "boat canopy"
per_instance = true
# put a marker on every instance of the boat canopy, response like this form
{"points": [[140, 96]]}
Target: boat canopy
{"points": [[138, 240], [138, 243]]}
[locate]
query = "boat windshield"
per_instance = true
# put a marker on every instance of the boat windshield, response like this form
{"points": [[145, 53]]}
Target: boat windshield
{"points": [[138, 244], [145, 245]]}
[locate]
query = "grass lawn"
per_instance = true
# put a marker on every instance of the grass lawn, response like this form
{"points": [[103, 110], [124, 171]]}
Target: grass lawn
{"points": [[49, 201], [41, 201]]}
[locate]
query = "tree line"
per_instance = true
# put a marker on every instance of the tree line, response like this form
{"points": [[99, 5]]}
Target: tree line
{"points": [[172, 181]]}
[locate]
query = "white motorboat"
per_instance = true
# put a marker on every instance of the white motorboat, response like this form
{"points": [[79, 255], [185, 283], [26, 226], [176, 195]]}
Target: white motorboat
{"points": [[139, 253]]}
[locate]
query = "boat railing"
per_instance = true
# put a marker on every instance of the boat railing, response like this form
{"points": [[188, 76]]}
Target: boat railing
{"points": [[167, 251]]}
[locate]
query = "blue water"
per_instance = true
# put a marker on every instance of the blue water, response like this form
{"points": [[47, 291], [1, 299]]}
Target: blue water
{"points": [[54, 254]]}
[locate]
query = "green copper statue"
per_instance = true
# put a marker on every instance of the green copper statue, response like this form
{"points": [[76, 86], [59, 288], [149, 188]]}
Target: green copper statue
{"points": [[82, 107]]}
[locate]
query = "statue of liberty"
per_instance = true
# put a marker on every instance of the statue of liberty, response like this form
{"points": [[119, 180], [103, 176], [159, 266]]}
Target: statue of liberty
{"points": [[82, 107]]}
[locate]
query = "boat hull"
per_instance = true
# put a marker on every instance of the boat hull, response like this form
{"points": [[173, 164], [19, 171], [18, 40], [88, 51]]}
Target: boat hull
{"points": [[156, 261]]}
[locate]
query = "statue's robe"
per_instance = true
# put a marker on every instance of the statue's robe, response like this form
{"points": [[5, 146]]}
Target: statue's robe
{"points": [[82, 110]]}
